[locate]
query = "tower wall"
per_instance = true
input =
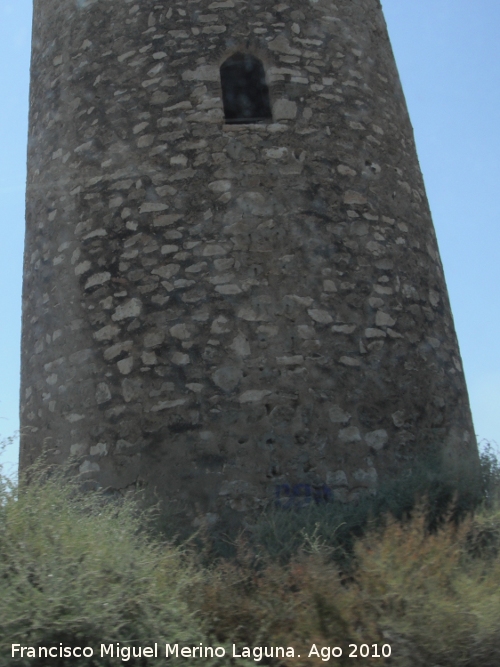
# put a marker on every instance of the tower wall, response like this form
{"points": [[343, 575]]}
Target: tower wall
{"points": [[226, 312]]}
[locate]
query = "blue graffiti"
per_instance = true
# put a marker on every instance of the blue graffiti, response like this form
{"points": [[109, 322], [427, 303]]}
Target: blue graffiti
{"points": [[295, 495]]}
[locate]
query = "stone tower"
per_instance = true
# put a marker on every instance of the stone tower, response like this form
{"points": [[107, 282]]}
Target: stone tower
{"points": [[232, 286]]}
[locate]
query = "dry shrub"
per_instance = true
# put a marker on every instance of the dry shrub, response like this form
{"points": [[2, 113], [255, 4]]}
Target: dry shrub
{"points": [[429, 593], [308, 601], [426, 594]]}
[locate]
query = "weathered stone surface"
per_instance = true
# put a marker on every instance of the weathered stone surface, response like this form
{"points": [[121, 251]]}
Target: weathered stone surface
{"points": [[125, 365], [227, 377], [367, 478], [101, 449], [349, 434], [130, 309], [377, 439], [219, 310], [103, 393], [338, 416], [253, 395], [336, 479], [321, 316]]}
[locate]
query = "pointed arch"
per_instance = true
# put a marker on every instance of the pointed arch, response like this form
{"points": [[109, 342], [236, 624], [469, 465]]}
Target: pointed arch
{"points": [[245, 94]]}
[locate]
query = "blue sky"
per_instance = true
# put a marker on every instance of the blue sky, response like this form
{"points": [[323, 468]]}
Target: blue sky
{"points": [[448, 54]]}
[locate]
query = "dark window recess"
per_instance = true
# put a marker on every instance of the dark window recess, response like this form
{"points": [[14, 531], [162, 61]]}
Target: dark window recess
{"points": [[245, 94]]}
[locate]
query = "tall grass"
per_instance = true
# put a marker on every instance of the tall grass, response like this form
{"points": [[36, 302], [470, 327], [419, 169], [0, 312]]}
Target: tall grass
{"points": [[421, 579], [79, 570]]}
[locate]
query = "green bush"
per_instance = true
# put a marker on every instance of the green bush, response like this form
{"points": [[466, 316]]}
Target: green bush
{"points": [[82, 571], [490, 473]]}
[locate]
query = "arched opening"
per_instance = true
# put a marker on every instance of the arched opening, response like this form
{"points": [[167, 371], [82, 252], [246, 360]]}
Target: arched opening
{"points": [[245, 94]]}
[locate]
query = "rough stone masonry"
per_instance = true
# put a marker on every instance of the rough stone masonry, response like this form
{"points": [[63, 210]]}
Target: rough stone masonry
{"points": [[221, 308]]}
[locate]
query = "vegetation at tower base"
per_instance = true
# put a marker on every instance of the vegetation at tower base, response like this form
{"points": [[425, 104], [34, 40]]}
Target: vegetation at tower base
{"points": [[80, 570]]}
